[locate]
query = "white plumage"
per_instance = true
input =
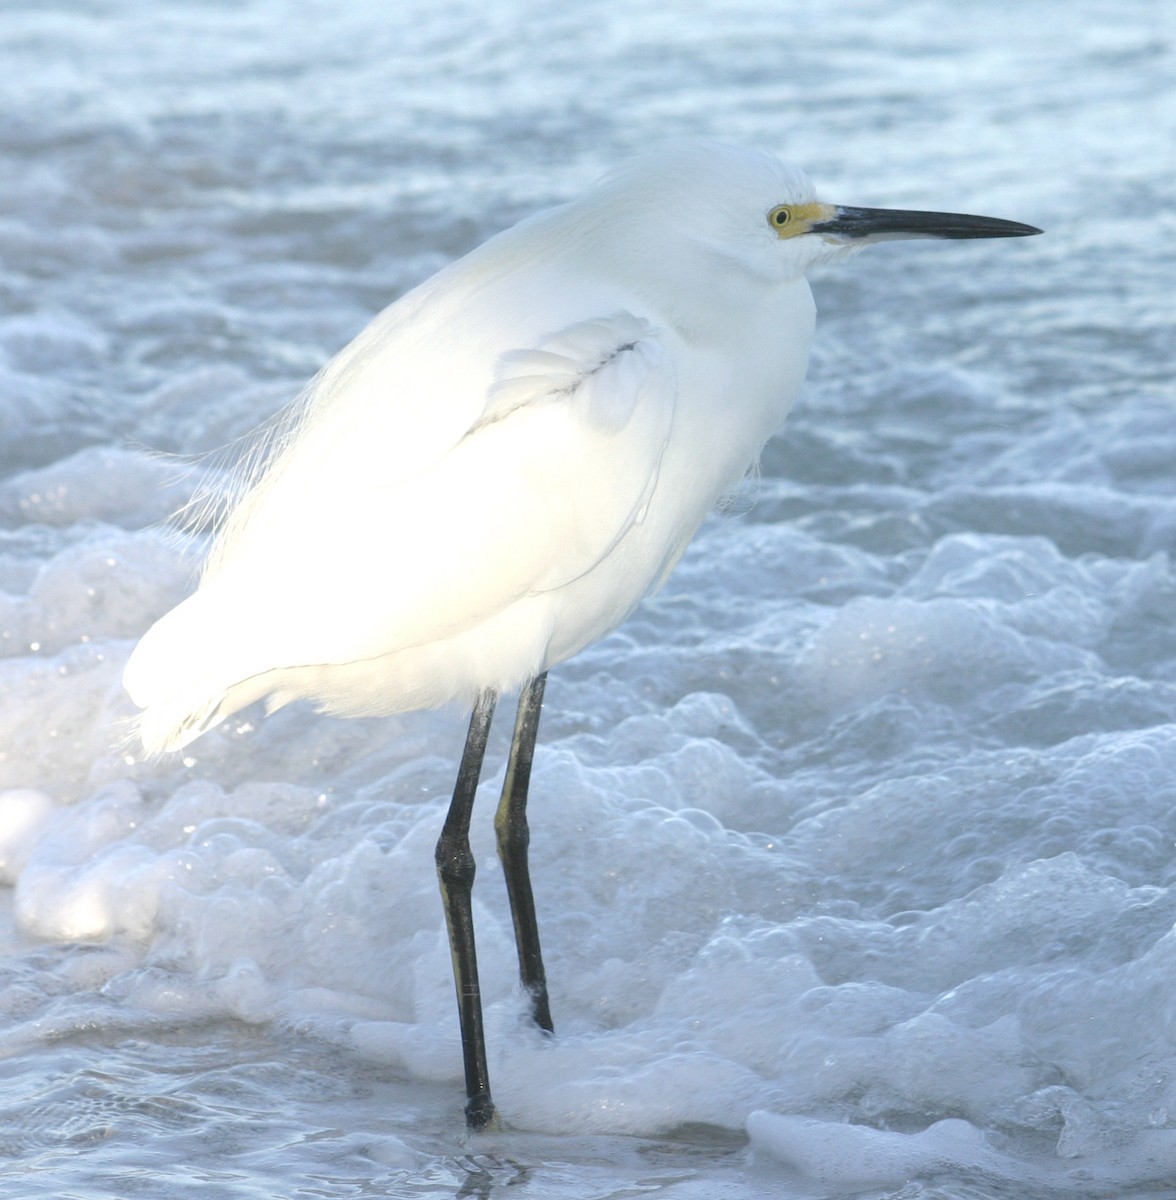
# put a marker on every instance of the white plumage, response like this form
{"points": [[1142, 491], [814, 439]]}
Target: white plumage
{"points": [[500, 467]]}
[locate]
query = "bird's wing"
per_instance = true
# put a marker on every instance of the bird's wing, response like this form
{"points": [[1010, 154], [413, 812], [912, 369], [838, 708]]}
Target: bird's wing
{"points": [[561, 463], [586, 417]]}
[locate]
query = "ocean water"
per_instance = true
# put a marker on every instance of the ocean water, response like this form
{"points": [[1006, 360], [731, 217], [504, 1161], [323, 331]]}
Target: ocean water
{"points": [[854, 849]]}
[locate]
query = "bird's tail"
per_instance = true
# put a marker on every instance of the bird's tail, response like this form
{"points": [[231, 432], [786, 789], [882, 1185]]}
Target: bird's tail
{"points": [[178, 681]]}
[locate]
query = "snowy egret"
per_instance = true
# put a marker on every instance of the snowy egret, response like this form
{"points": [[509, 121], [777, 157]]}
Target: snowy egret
{"points": [[499, 468]]}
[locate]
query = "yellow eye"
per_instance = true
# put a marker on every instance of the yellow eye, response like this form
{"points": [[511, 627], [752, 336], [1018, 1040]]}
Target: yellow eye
{"points": [[780, 216]]}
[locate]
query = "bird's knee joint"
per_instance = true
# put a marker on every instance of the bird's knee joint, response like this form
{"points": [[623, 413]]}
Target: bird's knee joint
{"points": [[513, 840], [455, 864]]}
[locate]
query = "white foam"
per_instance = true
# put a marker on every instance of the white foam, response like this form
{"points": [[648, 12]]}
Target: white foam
{"points": [[856, 1154], [102, 483], [24, 813]]}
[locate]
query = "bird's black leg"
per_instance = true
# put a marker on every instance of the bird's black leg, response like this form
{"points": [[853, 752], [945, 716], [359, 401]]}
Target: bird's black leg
{"points": [[455, 870], [510, 824]]}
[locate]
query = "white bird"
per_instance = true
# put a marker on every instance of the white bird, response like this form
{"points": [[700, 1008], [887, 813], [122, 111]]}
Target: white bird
{"points": [[500, 467]]}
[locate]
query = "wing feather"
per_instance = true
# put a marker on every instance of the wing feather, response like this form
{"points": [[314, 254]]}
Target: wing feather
{"points": [[555, 471]]}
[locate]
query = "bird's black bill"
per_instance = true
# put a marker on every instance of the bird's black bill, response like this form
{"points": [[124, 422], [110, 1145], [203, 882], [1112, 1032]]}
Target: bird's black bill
{"points": [[882, 224]]}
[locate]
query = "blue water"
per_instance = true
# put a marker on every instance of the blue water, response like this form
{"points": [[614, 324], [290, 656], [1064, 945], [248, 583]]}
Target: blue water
{"points": [[854, 849]]}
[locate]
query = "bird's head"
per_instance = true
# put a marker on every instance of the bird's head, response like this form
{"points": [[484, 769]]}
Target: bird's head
{"points": [[755, 211]]}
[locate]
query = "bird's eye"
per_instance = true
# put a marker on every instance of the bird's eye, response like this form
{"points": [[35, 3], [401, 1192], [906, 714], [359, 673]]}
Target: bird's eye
{"points": [[779, 217]]}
